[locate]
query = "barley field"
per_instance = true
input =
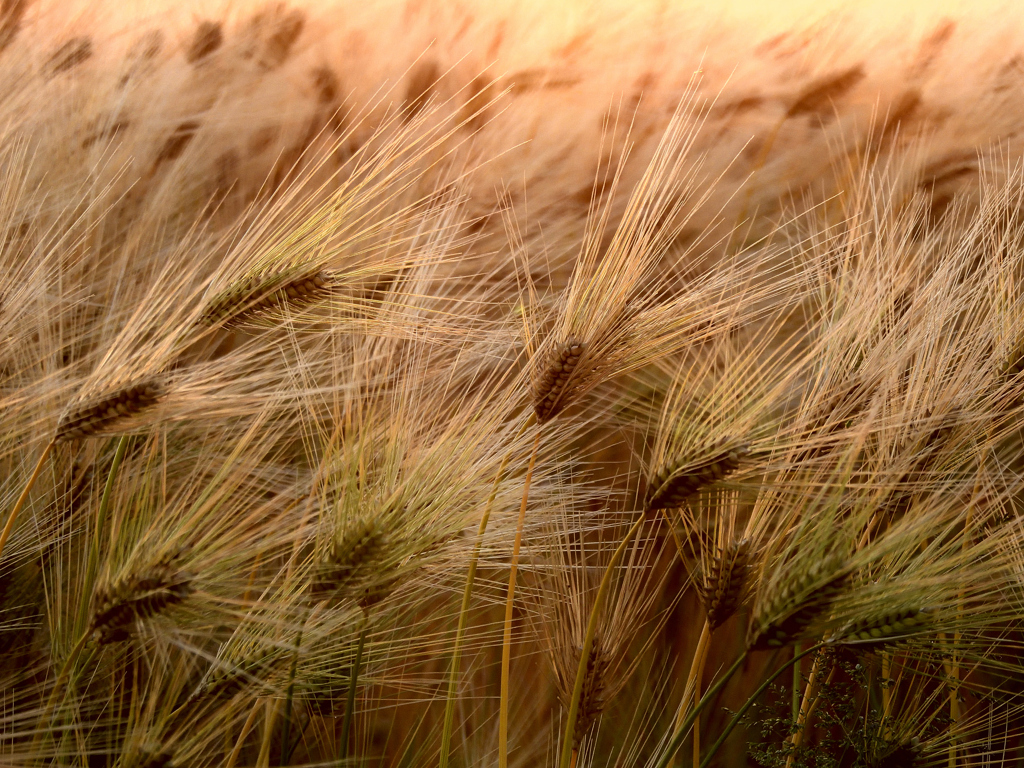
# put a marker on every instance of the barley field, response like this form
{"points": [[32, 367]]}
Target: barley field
{"points": [[511, 384]]}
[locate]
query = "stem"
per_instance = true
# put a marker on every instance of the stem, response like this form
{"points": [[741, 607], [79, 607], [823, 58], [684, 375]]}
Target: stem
{"points": [[58, 687], [816, 698], [802, 712], [886, 692], [795, 704], [696, 726], [506, 644], [9, 526], [588, 641], [101, 519], [474, 558], [693, 681], [684, 728], [696, 672], [263, 761], [350, 705], [246, 727], [954, 687], [749, 702], [286, 723]]}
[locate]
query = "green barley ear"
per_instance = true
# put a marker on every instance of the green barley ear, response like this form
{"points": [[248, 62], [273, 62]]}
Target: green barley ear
{"points": [[137, 595], [249, 660], [676, 481], [888, 628], [784, 615], [111, 411], [567, 598], [350, 559]]}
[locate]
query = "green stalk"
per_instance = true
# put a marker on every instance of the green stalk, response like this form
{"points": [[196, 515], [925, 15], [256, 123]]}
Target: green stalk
{"points": [[506, 643], [101, 517], [684, 728], [58, 687], [286, 723], [588, 641], [104, 506], [474, 558], [797, 680], [350, 705], [749, 702]]}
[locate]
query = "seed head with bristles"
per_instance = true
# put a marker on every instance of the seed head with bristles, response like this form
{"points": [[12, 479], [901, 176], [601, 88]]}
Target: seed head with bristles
{"points": [[137, 595], [110, 411], [721, 587], [264, 293], [566, 600], [352, 555], [673, 484], [618, 314], [783, 615], [553, 388], [885, 630]]}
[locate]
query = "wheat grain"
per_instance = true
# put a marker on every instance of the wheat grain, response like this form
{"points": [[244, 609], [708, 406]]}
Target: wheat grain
{"points": [[11, 14], [70, 55], [784, 615], [207, 38], [887, 629], [820, 98], [352, 557], [592, 696]]}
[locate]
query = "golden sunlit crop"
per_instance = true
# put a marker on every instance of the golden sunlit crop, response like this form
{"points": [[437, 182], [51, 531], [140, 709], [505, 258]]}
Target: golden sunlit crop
{"points": [[444, 384]]}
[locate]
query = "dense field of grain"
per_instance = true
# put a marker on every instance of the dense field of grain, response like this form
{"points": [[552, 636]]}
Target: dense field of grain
{"points": [[452, 384]]}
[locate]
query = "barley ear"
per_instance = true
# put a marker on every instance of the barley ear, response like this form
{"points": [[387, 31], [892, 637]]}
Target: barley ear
{"points": [[137, 596], [264, 293], [721, 590], [676, 481], [887, 629], [785, 614], [552, 390], [349, 561], [108, 411]]}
